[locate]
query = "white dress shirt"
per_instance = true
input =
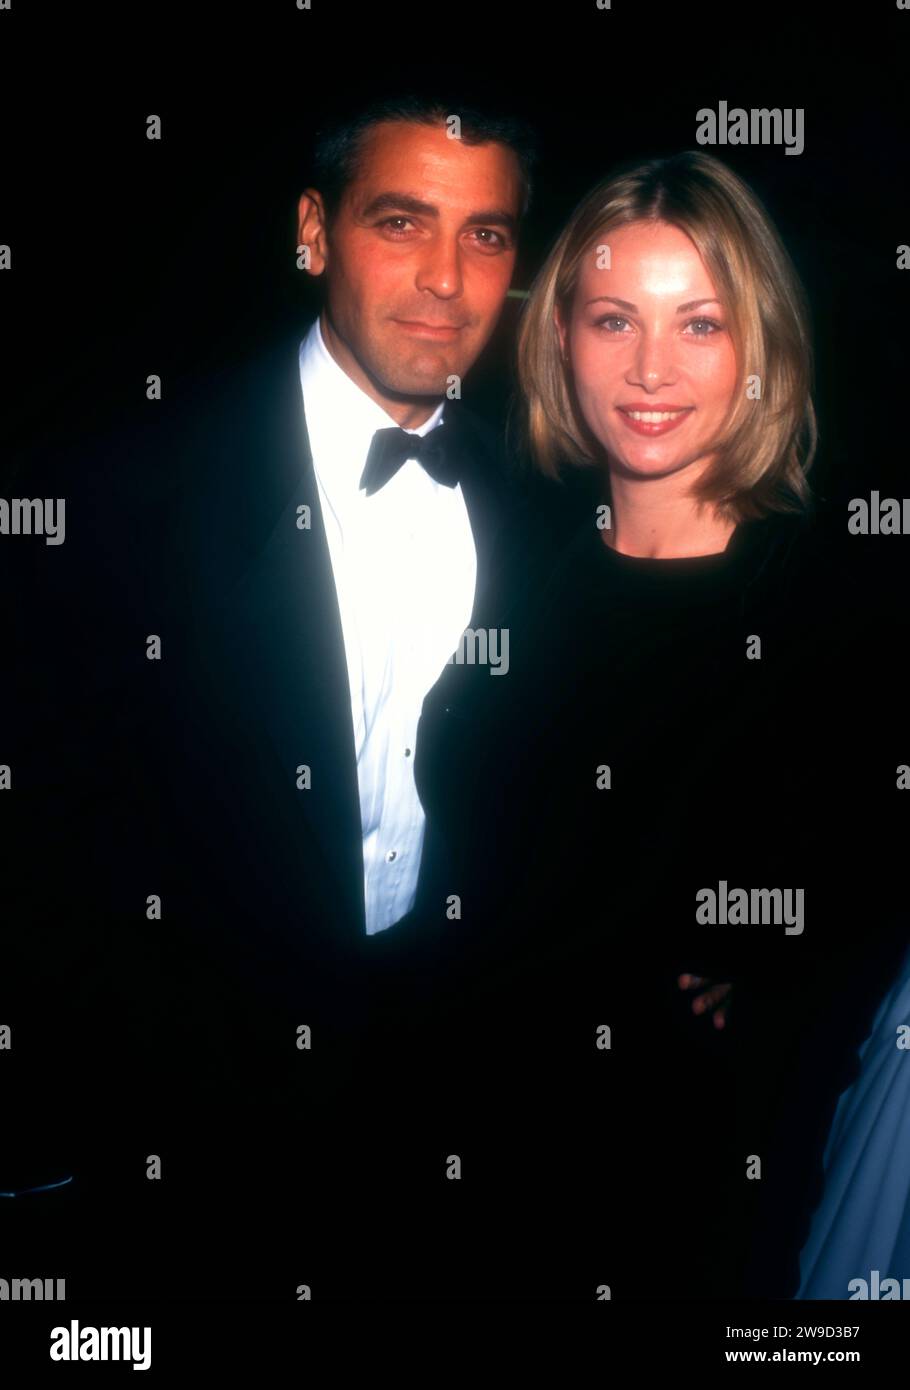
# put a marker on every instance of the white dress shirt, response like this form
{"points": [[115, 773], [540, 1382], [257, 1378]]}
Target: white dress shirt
{"points": [[405, 567]]}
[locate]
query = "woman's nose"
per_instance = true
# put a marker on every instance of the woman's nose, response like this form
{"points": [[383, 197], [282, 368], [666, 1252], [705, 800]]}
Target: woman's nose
{"points": [[653, 365]]}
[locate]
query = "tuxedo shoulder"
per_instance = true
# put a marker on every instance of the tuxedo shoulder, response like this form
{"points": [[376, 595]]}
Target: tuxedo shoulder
{"points": [[139, 482], [476, 425], [480, 442], [550, 513]]}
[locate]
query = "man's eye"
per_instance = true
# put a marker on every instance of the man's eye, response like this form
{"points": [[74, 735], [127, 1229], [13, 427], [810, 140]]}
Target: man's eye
{"points": [[401, 225], [497, 238], [387, 222]]}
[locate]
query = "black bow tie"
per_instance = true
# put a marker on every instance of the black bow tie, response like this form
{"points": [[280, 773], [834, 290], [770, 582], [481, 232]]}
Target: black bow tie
{"points": [[390, 448]]}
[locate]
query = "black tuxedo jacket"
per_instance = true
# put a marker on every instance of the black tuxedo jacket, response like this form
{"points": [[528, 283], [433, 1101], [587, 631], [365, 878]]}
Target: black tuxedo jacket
{"points": [[205, 911]]}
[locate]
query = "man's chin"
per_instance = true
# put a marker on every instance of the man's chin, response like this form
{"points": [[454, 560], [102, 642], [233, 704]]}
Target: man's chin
{"points": [[420, 380], [422, 368]]}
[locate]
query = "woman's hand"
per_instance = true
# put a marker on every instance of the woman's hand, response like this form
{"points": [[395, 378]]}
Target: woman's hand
{"points": [[711, 995]]}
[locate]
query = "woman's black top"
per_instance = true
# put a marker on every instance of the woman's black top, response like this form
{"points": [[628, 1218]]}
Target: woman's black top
{"points": [[633, 752], [665, 734]]}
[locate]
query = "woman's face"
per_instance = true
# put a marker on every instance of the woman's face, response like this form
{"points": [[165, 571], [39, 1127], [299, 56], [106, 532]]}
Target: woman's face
{"points": [[648, 337]]}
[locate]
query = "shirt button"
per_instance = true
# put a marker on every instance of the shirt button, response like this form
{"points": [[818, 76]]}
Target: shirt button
{"points": [[407, 752], [392, 854]]}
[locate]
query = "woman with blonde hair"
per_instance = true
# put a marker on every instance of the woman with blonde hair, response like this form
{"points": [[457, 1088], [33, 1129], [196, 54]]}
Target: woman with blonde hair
{"points": [[647, 756], [725, 365]]}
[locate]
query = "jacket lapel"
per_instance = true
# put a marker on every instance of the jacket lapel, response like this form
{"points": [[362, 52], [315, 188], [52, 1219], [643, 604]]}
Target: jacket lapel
{"points": [[482, 478], [281, 637]]}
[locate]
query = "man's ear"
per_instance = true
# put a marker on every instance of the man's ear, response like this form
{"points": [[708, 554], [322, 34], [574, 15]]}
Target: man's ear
{"points": [[311, 230]]}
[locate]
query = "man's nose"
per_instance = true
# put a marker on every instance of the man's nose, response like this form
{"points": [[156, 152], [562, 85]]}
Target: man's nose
{"points": [[440, 269]]}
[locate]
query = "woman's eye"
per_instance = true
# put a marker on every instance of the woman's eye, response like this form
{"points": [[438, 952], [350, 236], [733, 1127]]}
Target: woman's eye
{"points": [[701, 328]]}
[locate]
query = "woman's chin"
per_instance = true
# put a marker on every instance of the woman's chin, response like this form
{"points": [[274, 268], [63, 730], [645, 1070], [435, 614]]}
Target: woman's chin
{"points": [[644, 468]]}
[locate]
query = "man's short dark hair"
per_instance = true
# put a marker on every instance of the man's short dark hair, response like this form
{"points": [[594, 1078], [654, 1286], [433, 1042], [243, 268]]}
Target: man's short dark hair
{"points": [[339, 141]]}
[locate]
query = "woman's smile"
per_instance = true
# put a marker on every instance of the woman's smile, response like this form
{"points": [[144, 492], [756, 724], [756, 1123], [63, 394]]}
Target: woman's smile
{"points": [[652, 420]]}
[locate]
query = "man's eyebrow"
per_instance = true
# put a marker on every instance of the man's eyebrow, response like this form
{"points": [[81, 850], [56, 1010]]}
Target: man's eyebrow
{"points": [[633, 308], [406, 202]]}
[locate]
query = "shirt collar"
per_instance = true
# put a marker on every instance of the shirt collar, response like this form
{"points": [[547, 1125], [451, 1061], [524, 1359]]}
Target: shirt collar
{"points": [[341, 418]]}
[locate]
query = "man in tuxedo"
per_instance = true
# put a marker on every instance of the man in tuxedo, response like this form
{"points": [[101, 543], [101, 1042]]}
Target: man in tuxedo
{"points": [[277, 570]]}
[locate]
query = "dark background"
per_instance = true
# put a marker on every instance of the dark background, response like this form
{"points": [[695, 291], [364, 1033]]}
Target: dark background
{"points": [[133, 256]]}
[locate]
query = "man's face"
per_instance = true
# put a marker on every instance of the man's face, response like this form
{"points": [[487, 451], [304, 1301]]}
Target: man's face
{"points": [[420, 256]]}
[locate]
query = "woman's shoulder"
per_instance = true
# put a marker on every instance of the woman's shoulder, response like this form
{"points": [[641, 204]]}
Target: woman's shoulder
{"points": [[809, 598], [792, 554]]}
